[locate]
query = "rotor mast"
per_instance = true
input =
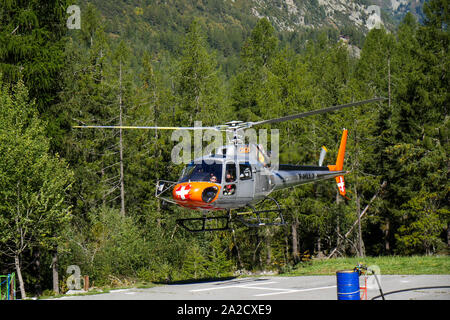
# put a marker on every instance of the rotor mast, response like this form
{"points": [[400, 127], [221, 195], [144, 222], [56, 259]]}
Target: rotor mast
{"points": [[236, 133]]}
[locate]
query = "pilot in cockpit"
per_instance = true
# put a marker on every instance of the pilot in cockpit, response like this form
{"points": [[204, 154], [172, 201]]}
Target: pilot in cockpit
{"points": [[229, 188]]}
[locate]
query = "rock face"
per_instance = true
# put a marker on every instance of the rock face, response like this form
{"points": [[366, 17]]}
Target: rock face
{"points": [[287, 15]]}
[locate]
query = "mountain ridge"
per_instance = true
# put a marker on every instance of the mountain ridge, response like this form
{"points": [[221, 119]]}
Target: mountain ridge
{"points": [[160, 25]]}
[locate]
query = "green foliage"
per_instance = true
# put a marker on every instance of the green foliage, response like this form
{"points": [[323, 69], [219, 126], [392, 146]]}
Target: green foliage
{"points": [[195, 263], [250, 84], [32, 37], [198, 87], [423, 220], [34, 184], [171, 69], [219, 264], [438, 264], [109, 244]]}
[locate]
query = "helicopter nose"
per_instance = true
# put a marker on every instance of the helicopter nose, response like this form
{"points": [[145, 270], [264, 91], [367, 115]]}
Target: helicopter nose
{"points": [[195, 193]]}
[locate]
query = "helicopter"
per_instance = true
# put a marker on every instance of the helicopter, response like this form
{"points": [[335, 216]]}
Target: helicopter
{"points": [[240, 175]]}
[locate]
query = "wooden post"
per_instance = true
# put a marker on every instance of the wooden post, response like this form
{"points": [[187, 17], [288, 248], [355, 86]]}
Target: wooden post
{"points": [[86, 283]]}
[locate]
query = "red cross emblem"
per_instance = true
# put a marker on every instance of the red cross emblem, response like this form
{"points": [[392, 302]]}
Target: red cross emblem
{"points": [[182, 192], [341, 184]]}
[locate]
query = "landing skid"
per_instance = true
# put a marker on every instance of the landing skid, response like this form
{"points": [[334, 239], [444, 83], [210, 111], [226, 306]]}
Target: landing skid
{"points": [[206, 224], [254, 219], [258, 218]]}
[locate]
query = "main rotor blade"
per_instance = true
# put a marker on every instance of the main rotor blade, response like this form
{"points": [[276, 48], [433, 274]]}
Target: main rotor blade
{"points": [[313, 112], [145, 128], [233, 126]]}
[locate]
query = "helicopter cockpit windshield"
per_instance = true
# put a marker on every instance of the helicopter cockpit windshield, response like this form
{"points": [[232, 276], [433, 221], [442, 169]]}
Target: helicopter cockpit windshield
{"points": [[202, 172]]}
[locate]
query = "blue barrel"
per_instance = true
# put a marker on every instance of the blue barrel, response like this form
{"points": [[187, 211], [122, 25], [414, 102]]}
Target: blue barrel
{"points": [[348, 285]]}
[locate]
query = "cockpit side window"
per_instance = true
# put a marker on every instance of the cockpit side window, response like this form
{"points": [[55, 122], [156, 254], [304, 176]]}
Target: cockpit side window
{"points": [[230, 179], [245, 171], [230, 172], [202, 172]]}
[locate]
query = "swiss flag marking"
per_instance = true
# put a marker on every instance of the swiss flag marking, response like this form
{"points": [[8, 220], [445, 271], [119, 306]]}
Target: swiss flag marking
{"points": [[182, 192], [341, 184]]}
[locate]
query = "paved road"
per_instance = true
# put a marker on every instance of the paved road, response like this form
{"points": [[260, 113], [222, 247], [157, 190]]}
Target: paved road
{"points": [[395, 287]]}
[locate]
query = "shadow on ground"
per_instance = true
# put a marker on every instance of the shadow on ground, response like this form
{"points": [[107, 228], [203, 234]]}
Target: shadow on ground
{"points": [[201, 280]]}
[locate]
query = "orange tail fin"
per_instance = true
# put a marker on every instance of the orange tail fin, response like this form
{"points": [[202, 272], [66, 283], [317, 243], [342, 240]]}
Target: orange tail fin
{"points": [[340, 164]]}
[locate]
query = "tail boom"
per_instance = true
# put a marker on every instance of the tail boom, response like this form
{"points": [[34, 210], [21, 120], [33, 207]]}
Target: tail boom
{"points": [[292, 175]]}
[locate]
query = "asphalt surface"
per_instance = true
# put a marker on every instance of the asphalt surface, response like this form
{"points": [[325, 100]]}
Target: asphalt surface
{"points": [[394, 287]]}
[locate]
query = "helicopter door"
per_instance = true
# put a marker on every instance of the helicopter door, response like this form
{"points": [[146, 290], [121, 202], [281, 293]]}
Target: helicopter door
{"points": [[229, 186], [246, 185]]}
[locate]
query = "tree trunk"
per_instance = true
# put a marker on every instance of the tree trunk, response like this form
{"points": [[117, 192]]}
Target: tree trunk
{"points": [[295, 253], [269, 247], [358, 212], [338, 221], [448, 235], [19, 276], [360, 216], [256, 252], [286, 245], [387, 245], [55, 272], [157, 154], [389, 82], [122, 187], [37, 270], [238, 254], [357, 198]]}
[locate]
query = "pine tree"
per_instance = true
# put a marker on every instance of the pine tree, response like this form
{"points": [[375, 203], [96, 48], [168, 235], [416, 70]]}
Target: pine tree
{"points": [[256, 58], [91, 96], [194, 266], [409, 151], [219, 265], [32, 37], [198, 85], [420, 152]]}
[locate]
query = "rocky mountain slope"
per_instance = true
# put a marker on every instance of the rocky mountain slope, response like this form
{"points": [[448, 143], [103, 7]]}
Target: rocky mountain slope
{"points": [[291, 14], [160, 25]]}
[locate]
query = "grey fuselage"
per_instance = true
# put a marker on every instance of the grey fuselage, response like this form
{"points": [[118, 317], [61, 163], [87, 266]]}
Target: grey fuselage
{"points": [[245, 175]]}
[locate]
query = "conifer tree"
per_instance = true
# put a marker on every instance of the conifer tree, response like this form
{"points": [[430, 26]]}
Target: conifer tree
{"points": [[32, 37], [198, 85], [256, 58], [91, 96]]}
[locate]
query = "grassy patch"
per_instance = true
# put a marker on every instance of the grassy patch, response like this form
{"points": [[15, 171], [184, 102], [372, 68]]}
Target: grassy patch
{"points": [[387, 265]]}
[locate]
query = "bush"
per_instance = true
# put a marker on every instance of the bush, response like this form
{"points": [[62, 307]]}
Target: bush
{"points": [[108, 245]]}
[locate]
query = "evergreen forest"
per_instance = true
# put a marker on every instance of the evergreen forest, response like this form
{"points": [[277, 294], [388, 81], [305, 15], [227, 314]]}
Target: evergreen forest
{"points": [[87, 197]]}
